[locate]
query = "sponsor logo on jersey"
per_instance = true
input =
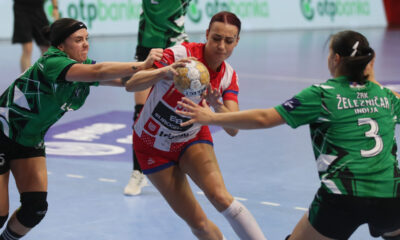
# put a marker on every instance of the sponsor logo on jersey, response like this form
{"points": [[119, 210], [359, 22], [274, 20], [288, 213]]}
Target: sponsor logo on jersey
{"points": [[169, 118], [150, 161], [291, 104], [151, 126], [173, 136]]}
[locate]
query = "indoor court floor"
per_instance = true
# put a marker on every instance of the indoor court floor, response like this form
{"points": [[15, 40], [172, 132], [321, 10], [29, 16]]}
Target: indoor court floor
{"points": [[271, 171]]}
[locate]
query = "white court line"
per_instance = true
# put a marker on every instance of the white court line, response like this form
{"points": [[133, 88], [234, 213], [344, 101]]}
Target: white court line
{"points": [[198, 192], [107, 180], [270, 204], [75, 176], [301, 209], [281, 78]]}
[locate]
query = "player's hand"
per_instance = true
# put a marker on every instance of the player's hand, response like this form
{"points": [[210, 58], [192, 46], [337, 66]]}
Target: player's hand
{"points": [[197, 113], [213, 96], [155, 55], [170, 71]]}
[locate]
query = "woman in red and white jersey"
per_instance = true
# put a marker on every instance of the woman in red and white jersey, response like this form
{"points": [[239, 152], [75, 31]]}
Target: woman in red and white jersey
{"points": [[168, 152]]}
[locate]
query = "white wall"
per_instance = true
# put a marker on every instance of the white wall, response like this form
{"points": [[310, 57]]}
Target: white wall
{"points": [[110, 17]]}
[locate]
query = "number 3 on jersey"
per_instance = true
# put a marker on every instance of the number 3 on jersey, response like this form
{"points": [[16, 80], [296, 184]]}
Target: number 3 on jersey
{"points": [[373, 133]]}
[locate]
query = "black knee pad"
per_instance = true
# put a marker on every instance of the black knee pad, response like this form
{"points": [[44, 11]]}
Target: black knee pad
{"points": [[3, 219], [33, 208]]}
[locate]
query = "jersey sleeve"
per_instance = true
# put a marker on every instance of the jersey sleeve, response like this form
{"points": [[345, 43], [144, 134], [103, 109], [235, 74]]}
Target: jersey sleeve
{"points": [[55, 68], [232, 91], [167, 59], [303, 108]]}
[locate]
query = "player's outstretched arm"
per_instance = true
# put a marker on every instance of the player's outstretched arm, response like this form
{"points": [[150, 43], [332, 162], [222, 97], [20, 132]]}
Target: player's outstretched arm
{"points": [[147, 78], [247, 119], [110, 71]]}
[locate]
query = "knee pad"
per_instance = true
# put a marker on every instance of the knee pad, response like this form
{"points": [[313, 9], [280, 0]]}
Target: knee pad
{"points": [[33, 208], [287, 237], [3, 219]]}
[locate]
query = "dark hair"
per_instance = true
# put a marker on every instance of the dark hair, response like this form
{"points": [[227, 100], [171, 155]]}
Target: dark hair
{"points": [[226, 17], [61, 29], [355, 53]]}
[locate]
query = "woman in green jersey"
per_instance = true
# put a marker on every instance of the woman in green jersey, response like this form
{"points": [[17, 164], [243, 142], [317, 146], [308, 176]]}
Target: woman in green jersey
{"points": [[58, 82], [352, 122]]}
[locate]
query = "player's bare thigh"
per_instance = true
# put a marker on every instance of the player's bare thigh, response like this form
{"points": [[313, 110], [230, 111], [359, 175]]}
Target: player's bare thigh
{"points": [[4, 200], [30, 174]]}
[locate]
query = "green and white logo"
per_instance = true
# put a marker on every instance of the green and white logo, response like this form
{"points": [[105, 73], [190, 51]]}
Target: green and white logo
{"points": [[306, 9], [100, 10], [194, 13], [199, 10], [334, 8]]}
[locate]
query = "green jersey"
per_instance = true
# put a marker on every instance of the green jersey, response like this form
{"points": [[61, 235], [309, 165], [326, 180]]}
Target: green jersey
{"points": [[161, 23], [39, 97], [352, 132]]}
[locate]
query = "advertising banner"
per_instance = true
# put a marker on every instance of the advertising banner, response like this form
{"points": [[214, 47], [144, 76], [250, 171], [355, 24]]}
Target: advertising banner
{"points": [[120, 17]]}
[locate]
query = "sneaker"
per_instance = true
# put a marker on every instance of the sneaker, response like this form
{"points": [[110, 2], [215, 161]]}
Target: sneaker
{"points": [[135, 184]]}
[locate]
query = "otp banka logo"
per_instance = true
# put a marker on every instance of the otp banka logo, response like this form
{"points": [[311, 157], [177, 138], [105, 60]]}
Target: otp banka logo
{"points": [[91, 11], [334, 8]]}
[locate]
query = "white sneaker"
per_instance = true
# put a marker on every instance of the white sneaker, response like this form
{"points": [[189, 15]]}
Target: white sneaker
{"points": [[135, 184]]}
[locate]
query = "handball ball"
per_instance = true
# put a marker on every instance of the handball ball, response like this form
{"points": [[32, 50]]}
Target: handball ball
{"points": [[192, 79]]}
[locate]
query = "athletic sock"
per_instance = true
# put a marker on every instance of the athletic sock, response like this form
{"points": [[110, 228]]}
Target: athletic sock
{"points": [[8, 234], [243, 222]]}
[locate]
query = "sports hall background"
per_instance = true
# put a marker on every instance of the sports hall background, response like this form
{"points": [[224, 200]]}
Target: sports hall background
{"points": [[271, 171]]}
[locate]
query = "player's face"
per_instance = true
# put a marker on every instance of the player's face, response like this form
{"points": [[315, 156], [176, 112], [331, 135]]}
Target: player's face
{"points": [[76, 46], [222, 38]]}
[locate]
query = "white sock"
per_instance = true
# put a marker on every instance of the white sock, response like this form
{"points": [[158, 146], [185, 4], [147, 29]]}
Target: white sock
{"points": [[243, 222]]}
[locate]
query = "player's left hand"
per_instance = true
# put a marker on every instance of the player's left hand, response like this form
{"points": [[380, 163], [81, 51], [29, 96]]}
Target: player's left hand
{"points": [[155, 55], [213, 96], [198, 114]]}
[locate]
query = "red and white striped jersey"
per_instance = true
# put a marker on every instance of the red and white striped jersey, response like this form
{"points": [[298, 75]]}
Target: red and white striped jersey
{"points": [[158, 124]]}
